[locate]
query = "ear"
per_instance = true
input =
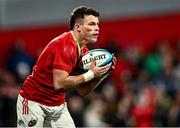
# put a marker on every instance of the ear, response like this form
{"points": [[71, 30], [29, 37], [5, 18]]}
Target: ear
{"points": [[77, 27]]}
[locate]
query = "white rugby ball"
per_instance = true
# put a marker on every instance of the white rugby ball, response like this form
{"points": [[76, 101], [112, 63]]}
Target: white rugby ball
{"points": [[100, 56]]}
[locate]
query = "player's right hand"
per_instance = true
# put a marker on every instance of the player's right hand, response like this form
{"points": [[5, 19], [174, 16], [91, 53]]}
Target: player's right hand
{"points": [[99, 71]]}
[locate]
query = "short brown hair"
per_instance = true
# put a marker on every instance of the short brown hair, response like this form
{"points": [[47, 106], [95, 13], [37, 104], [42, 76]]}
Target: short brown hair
{"points": [[79, 13]]}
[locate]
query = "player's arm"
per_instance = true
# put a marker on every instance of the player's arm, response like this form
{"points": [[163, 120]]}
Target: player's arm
{"points": [[62, 79], [86, 88]]}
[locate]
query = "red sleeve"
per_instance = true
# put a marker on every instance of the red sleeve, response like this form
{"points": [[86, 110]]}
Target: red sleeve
{"points": [[65, 56]]}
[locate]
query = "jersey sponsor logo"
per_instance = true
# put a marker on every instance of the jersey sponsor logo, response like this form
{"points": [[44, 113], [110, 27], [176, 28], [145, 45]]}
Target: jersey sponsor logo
{"points": [[25, 109]]}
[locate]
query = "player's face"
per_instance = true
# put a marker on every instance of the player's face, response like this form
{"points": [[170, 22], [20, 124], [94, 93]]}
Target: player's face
{"points": [[90, 28]]}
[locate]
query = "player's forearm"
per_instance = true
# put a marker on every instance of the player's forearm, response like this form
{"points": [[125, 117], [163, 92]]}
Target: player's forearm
{"points": [[69, 82], [86, 88]]}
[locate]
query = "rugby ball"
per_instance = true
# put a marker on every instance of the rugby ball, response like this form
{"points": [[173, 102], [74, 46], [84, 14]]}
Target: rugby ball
{"points": [[100, 56]]}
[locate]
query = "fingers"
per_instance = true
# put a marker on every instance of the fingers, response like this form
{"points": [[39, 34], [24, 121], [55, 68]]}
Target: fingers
{"points": [[105, 68], [114, 59], [93, 64], [113, 67], [113, 62], [99, 71]]}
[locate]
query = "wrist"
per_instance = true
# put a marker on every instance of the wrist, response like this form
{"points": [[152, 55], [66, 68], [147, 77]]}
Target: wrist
{"points": [[88, 76]]}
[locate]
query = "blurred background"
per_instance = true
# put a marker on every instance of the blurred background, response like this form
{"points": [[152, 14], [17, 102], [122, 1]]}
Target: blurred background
{"points": [[144, 35]]}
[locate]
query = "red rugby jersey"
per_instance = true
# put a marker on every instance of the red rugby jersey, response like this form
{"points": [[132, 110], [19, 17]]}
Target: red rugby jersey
{"points": [[61, 53]]}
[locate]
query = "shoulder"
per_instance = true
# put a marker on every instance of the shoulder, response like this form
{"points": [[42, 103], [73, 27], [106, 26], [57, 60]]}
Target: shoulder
{"points": [[63, 44], [62, 37]]}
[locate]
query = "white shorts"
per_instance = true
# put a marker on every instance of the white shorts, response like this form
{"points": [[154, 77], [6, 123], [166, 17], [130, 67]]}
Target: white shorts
{"points": [[33, 114]]}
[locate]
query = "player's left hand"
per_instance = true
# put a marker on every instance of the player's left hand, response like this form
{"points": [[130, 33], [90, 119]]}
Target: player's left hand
{"points": [[111, 68], [113, 62]]}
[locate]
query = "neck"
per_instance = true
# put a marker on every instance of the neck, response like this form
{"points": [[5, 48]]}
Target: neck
{"points": [[75, 35]]}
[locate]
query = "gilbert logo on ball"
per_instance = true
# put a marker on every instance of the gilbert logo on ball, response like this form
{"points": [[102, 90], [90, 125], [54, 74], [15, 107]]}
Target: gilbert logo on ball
{"points": [[100, 56]]}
